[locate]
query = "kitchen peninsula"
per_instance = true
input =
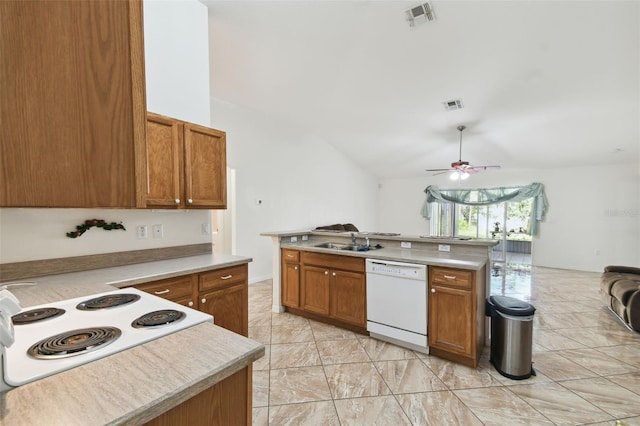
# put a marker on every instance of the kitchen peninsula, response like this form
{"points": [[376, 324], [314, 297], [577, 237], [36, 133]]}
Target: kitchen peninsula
{"points": [[203, 364], [321, 275]]}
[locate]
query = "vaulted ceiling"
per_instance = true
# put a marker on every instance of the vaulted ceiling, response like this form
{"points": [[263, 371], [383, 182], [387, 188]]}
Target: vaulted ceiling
{"points": [[544, 84]]}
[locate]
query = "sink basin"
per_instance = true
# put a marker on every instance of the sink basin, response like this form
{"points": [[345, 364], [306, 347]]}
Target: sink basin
{"points": [[348, 247]]}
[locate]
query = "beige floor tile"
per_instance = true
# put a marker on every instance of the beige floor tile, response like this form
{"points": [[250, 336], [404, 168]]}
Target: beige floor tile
{"points": [[559, 404], [378, 410], [260, 319], [629, 354], [286, 318], [304, 384], [457, 376], [436, 409], [260, 416], [260, 388], [294, 355], [494, 405], [328, 332], [553, 341], [263, 363], [597, 361], [355, 380], [630, 381], [291, 334], [602, 336], [383, 351], [557, 367], [306, 413], [341, 351], [537, 378], [608, 396], [260, 334], [409, 376]]}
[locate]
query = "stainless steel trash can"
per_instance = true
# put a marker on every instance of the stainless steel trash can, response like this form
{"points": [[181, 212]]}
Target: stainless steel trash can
{"points": [[511, 336]]}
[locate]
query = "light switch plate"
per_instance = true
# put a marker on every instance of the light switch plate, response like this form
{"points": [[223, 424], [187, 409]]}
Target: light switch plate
{"points": [[294, 239], [444, 247], [405, 244]]}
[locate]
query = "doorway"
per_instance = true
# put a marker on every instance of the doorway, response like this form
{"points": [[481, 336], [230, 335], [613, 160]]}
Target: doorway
{"points": [[223, 221]]}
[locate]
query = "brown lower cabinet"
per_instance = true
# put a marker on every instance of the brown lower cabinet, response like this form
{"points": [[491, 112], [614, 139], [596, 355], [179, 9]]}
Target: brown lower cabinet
{"points": [[456, 314], [224, 294], [225, 403], [325, 286]]}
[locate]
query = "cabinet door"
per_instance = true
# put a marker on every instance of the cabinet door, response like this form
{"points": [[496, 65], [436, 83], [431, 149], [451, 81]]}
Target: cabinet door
{"points": [[291, 285], [72, 104], [229, 307], [164, 142], [450, 319], [348, 297], [315, 290], [205, 174]]}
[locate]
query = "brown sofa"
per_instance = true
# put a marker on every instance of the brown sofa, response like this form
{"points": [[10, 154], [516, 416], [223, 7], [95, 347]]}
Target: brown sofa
{"points": [[620, 291]]}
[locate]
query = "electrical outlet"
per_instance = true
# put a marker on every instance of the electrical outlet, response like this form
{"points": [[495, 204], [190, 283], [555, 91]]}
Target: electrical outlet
{"points": [[142, 232], [158, 231], [305, 237], [405, 244], [294, 239], [444, 247], [206, 229]]}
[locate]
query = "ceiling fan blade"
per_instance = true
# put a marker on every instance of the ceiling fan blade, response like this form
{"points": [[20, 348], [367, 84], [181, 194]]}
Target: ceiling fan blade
{"points": [[442, 172], [480, 168], [438, 170]]}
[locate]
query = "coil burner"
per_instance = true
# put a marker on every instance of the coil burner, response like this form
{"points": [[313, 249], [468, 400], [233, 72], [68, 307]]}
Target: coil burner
{"points": [[158, 318], [107, 301], [74, 342], [36, 315]]}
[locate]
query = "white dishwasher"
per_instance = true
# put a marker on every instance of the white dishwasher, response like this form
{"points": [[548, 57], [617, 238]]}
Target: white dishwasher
{"points": [[397, 303]]}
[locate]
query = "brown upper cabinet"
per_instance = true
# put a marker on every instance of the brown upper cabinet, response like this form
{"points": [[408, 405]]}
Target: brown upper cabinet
{"points": [[186, 164], [73, 119], [72, 109]]}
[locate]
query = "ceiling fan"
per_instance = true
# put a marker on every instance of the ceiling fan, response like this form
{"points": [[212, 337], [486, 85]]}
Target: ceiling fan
{"points": [[461, 170]]}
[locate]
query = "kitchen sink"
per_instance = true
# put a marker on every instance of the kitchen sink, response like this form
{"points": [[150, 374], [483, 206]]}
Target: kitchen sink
{"points": [[347, 247]]}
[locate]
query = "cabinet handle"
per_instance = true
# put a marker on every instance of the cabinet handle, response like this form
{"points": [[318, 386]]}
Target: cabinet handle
{"points": [[334, 274], [326, 272], [295, 268], [450, 277], [190, 303], [226, 277], [203, 300], [190, 201], [433, 290], [162, 291], [177, 200], [290, 255]]}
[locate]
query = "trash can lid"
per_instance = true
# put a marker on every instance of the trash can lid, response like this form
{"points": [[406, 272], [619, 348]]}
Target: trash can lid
{"points": [[512, 306]]}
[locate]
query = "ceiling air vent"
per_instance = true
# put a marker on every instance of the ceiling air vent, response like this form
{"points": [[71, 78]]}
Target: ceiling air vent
{"points": [[420, 14], [453, 105]]}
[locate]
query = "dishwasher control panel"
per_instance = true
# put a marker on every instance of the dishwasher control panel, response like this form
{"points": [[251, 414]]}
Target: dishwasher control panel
{"points": [[396, 269]]}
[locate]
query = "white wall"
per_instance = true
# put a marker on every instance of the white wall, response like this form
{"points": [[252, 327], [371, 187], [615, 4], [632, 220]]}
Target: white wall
{"points": [[32, 234], [176, 38], [301, 179], [593, 218], [177, 77]]}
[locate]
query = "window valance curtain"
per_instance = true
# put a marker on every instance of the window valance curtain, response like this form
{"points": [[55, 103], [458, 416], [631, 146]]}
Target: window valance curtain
{"points": [[488, 196]]}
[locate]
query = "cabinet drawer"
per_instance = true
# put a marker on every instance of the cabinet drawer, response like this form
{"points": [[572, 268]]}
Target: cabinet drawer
{"points": [[333, 261], [223, 277], [171, 288], [290, 255], [451, 277]]}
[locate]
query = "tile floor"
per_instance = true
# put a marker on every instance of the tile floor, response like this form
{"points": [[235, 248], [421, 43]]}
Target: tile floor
{"points": [[587, 364]]}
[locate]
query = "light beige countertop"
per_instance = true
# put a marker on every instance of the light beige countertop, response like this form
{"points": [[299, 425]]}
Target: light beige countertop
{"points": [[76, 284], [424, 257], [138, 384]]}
